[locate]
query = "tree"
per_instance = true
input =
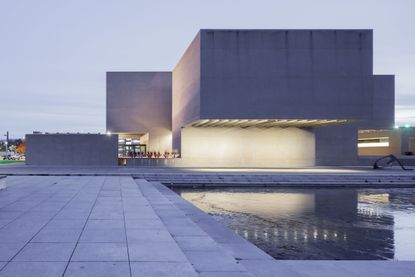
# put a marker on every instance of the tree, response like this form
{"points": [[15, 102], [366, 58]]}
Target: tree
{"points": [[21, 148]]}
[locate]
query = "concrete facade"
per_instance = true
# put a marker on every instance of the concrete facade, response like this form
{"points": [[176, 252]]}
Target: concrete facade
{"points": [[285, 74], [140, 103], [255, 76], [71, 149], [186, 90]]}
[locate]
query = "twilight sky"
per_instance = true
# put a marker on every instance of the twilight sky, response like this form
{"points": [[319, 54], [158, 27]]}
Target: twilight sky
{"points": [[54, 54]]}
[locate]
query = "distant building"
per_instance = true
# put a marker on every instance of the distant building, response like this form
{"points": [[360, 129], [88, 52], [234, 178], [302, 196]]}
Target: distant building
{"points": [[398, 141]]}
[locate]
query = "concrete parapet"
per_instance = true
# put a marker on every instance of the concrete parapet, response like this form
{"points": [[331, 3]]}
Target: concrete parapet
{"points": [[71, 149]]}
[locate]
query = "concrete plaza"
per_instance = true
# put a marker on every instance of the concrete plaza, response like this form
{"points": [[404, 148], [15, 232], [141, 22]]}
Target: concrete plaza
{"points": [[120, 226]]}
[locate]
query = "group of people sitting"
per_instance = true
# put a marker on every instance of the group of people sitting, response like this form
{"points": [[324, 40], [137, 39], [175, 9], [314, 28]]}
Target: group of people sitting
{"points": [[166, 155]]}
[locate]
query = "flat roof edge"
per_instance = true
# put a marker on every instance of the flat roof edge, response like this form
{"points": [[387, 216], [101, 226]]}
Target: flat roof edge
{"points": [[163, 71], [271, 30]]}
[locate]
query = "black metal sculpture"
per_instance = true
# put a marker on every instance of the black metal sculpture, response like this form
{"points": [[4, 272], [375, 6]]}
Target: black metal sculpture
{"points": [[392, 159]]}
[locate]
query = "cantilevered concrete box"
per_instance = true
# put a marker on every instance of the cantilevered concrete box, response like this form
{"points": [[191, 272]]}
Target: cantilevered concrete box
{"points": [[285, 75], [71, 149], [140, 103]]}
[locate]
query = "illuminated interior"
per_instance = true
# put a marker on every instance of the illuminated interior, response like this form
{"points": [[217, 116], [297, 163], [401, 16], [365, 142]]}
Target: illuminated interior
{"points": [[373, 142], [248, 147], [266, 123], [379, 142], [131, 145]]}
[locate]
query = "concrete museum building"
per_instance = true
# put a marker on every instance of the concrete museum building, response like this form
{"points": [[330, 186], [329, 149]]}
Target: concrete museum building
{"points": [[253, 98]]}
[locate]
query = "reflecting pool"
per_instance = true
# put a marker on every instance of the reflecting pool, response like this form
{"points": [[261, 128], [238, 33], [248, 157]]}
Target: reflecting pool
{"points": [[317, 224]]}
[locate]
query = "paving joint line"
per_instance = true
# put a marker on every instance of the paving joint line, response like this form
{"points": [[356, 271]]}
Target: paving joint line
{"points": [[43, 225], [124, 224], [83, 228]]}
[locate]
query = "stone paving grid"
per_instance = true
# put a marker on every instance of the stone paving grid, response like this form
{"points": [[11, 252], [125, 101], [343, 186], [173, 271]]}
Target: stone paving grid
{"points": [[96, 226], [115, 226]]}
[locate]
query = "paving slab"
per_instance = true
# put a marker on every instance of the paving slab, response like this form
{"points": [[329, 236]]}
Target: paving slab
{"points": [[45, 252], [225, 274], [4, 222], [196, 243], [100, 252], [244, 251], [159, 269], [48, 234], [148, 235], [144, 224], [6, 214], [104, 224], [66, 224], [103, 235], [270, 268], [156, 252], [98, 269], [143, 214], [33, 269], [186, 230], [107, 214], [9, 250], [213, 261], [73, 215], [319, 268]]}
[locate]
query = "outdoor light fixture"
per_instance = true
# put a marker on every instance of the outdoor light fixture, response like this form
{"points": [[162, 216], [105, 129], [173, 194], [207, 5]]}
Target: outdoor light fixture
{"points": [[108, 133], [407, 126], [396, 127]]}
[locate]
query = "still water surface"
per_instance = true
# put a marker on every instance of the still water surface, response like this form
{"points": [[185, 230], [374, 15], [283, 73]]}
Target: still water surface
{"points": [[320, 224]]}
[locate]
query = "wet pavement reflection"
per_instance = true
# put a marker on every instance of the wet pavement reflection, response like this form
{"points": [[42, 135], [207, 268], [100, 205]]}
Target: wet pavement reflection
{"points": [[317, 224]]}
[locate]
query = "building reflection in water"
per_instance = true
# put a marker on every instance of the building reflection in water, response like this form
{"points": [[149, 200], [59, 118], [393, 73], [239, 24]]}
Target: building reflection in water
{"points": [[315, 223]]}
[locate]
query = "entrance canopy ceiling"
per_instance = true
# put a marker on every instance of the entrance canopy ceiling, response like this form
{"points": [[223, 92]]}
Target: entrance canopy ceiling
{"points": [[266, 123]]}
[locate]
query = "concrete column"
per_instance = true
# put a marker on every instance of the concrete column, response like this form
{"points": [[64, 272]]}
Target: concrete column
{"points": [[336, 145]]}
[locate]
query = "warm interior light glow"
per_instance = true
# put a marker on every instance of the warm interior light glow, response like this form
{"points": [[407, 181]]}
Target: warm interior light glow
{"points": [[264, 205], [266, 123], [373, 142], [382, 198], [248, 147]]}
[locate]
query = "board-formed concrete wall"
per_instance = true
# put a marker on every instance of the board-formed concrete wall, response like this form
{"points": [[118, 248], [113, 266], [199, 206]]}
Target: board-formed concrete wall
{"points": [[140, 103], [71, 149], [336, 145], [286, 74], [383, 105], [250, 147], [300, 74], [186, 90]]}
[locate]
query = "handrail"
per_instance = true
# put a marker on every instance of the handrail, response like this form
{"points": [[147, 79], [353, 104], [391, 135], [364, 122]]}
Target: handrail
{"points": [[392, 159]]}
